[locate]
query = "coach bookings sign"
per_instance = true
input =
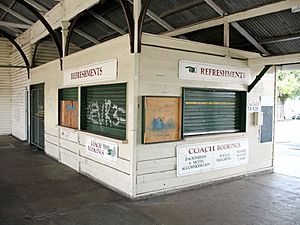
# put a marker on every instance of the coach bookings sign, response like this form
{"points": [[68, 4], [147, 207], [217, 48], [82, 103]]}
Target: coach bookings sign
{"points": [[203, 157]]}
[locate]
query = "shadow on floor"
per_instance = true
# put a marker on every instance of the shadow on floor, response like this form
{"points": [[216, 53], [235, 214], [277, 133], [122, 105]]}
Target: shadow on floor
{"points": [[35, 189]]}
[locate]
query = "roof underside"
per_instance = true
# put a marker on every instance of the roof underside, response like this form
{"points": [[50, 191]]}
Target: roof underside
{"points": [[277, 33]]}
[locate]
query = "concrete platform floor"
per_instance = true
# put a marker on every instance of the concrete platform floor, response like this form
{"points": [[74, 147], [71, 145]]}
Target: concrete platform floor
{"points": [[35, 189]]}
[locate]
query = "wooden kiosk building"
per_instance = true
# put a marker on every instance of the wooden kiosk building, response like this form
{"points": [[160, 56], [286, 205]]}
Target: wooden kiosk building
{"points": [[147, 97]]}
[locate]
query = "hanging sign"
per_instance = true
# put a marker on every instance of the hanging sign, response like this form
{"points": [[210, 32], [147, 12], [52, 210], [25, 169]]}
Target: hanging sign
{"points": [[202, 157], [102, 71], [189, 70], [102, 149]]}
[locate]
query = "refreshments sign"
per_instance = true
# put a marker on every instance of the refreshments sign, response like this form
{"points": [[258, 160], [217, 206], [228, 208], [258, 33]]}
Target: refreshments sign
{"points": [[202, 157], [102, 71], [189, 70]]}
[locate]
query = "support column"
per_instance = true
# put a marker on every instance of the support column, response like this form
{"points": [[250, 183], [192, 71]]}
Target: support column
{"points": [[137, 7], [227, 38], [65, 31]]}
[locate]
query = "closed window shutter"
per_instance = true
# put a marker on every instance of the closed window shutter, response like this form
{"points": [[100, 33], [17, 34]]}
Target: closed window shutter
{"points": [[213, 111], [103, 110], [68, 107], [68, 94]]}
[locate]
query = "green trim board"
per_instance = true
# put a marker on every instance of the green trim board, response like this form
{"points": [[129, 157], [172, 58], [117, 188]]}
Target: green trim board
{"points": [[103, 110], [161, 119], [208, 111]]}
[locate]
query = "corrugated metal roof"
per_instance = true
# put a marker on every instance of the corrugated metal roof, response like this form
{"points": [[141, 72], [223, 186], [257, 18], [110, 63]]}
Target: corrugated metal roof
{"points": [[234, 6], [273, 25], [196, 14], [267, 29], [282, 48]]}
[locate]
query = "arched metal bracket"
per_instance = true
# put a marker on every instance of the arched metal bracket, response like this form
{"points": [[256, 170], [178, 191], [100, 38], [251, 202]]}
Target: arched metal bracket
{"points": [[130, 22], [259, 76], [71, 28], [47, 26], [11, 39], [143, 13], [35, 51]]}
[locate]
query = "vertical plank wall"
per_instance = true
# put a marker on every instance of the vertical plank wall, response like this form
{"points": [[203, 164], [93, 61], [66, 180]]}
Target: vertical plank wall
{"points": [[19, 83], [5, 87]]}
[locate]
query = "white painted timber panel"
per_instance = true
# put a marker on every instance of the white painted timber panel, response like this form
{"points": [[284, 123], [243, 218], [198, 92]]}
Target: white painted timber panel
{"points": [[107, 175], [18, 88], [51, 150], [69, 158], [5, 87]]}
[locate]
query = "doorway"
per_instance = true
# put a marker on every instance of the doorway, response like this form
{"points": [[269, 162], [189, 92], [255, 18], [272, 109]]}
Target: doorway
{"points": [[287, 135], [37, 127]]}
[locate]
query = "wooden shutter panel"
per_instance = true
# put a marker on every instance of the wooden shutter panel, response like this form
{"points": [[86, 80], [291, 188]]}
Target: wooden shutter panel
{"points": [[103, 110], [213, 111]]}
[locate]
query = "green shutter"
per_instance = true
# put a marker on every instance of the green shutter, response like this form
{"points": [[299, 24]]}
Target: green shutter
{"points": [[68, 94], [103, 110], [213, 111]]}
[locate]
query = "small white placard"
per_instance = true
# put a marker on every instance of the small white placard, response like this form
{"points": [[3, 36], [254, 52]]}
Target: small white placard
{"points": [[189, 70], [68, 134], [197, 158], [102, 71], [103, 149], [254, 106]]}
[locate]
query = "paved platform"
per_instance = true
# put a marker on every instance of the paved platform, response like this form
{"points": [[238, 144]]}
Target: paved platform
{"points": [[36, 190]]}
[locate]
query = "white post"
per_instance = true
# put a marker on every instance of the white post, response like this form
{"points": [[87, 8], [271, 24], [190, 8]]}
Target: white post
{"points": [[65, 30]]}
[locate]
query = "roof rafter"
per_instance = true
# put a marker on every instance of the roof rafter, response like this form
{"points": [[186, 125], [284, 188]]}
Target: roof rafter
{"points": [[271, 8], [38, 6], [14, 25], [86, 36], [238, 27], [157, 19], [107, 22], [16, 14]]}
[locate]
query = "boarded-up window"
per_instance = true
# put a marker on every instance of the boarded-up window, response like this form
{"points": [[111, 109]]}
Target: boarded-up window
{"points": [[103, 110], [213, 111], [68, 107]]}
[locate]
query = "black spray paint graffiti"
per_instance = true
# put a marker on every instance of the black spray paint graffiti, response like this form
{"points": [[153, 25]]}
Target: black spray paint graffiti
{"points": [[105, 114]]}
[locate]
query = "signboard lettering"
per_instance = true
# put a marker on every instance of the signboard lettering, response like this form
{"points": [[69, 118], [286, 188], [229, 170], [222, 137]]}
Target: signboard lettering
{"points": [[102, 149], [203, 157], [102, 71], [212, 72]]}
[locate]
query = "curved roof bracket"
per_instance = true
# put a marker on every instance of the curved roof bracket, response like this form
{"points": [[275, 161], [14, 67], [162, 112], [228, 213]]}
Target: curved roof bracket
{"points": [[35, 51], [144, 9], [71, 29], [130, 23], [11, 39], [47, 26]]}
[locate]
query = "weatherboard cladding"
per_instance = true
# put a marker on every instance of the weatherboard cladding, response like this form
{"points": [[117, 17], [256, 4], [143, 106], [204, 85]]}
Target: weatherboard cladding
{"points": [[5, 87]]}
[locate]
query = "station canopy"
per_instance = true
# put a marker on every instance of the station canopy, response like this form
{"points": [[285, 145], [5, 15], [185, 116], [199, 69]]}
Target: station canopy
{"points": [[269, 27]]}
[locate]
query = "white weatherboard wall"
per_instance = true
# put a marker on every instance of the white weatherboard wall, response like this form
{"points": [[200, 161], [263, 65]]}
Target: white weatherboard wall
{"points": [[69, 148], [19, 84], [5, 87], [156, 166]]}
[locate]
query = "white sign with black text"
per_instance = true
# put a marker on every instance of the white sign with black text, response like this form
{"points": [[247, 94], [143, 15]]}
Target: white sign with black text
{"points": [[102, 71], [202, 157], [103, 149], [254, 106], [189, 70]]}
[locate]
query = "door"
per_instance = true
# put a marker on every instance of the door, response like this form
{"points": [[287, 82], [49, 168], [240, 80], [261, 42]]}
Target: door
{"points": [[37, 115]]}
